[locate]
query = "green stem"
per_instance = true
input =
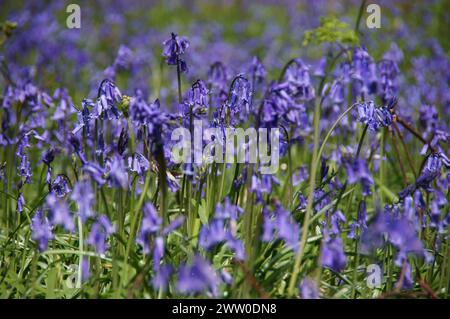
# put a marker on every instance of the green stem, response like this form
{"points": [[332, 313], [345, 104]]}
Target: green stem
{"points": [[312, 181], [80, 248]]}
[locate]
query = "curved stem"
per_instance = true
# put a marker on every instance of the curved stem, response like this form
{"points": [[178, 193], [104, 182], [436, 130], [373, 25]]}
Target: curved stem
{"points": [[312, 181]]}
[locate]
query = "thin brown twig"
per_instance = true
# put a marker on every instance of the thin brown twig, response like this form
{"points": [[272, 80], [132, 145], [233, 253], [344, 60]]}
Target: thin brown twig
{"points": [[408, 155], [250, 278], [397, 153], [410, 128], [427, 288]]}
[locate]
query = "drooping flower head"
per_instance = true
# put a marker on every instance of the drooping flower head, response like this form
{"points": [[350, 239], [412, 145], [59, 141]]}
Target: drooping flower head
{"points": [[332, 254], [58, 212], [108, 97], [197, 277], [100, 231], [84, 196], [41, 230], [60, 185], [309, 289], [173, 49]]}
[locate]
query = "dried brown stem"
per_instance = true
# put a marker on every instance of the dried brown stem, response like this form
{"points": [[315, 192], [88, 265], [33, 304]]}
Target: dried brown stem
{"points": [[397, 153], [408, 155]]}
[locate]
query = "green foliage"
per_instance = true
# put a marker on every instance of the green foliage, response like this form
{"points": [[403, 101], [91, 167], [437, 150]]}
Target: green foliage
{"points": [[6, 29], [331, 29]]}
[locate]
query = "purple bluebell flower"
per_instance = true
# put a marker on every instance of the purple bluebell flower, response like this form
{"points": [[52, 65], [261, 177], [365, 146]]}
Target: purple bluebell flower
{"points": [[361, 222], [173, 49], [77, 148], [41, 230], [430, 172], [332, 254], [64, 106], [47, 159], [221, 230], [60, 185], [138, 163], [263, 185], [96, 172], [195, 101], [100, 231], [58, 212], [117, 174], [161, 277], [217, 75], [85, 269], [151, 224], [197, 277], [357, 171], [280, 225], [239, 99], [124, 58], [257, 71], [226, 277], [388, 70], [107, 98], [84, 196], [158, 252], [398, 230], [309, 289], [374, 117], [85, 116], [25, 168], [20, 203], [300, 176], [298, 81]]}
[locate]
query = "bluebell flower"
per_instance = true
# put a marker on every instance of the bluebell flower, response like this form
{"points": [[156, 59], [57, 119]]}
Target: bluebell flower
{"points": [[58, 212], [161, 277], [361, 221], [41, 230], [257, 71], [374, 117], [197, 277], [309, 289], [300, 176], [239, 100], [298, 81], [332, 254], [195, 101], [96, 172], [388, 70], [152, 226], [357, 171], [217, 75], [25, 169], [391, 227], [138, 164], [221, 229], [100, 231], [117, 174], [60, 186], [108, 97], [173, 49], [20, 203], [85, 116], [263, 185], [47, 158], [430, 172], [84, 196], [279, 224]]}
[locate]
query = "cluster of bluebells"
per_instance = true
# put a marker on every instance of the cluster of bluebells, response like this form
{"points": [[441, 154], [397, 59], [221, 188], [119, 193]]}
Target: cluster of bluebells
{"points": [[120, 144]]}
